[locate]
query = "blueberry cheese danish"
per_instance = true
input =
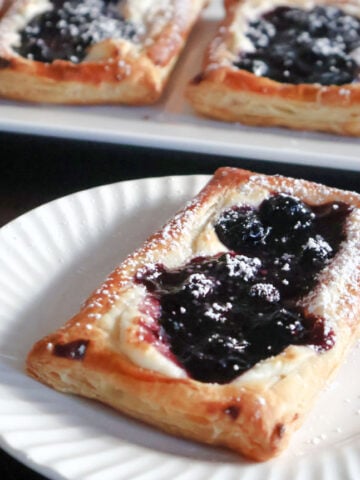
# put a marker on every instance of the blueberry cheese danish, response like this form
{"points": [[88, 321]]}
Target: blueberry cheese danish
{"points": [[290, 63], [91, 51], [228, 322]]}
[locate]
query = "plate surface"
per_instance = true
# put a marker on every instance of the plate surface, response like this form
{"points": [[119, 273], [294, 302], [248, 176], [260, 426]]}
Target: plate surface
{"points": [[173, 125], [52, 258]]}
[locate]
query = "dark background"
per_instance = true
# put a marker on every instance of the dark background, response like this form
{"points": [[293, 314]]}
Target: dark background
{"points": [[35, 170]]}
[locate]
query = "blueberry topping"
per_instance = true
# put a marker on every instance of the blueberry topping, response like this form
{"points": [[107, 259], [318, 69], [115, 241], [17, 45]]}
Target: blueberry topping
{"points": [[241, 226], [304, 46], [265, 292], [316, 252], [215, 355], [222, 314], [289, 221], [75, 350], [270, 333], [284, 212], [233, 411], [67, 30]]}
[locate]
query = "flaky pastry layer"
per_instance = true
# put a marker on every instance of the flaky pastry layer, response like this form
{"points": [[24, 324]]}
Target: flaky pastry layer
{"points": [[225, 92], [114, 70], [256, 413]]}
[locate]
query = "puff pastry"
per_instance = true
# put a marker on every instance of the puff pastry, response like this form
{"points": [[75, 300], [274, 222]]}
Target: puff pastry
{"points": [[117, 52], [114, 351], [237, 85]]}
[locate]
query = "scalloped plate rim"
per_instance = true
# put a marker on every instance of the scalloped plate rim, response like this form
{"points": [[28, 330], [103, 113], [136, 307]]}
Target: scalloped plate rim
{"points": [[183, 182]]}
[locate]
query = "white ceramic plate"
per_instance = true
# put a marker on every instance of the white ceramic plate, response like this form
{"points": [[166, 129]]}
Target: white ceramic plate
{"points": [[173, 125], [51, 259]]}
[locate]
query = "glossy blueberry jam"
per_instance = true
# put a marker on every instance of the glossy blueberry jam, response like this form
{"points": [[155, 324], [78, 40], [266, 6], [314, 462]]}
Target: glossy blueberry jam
{"points": [[301, 46], [67, 30], [221, 315], [75, 350]]}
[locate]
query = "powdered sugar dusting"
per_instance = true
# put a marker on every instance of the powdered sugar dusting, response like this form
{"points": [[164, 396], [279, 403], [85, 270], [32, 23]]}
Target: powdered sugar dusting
{"points": [[145, 22], [151, 15], [174, 245], [265, 291], [238, 37], [334, 292], [242, 266], [299, 188], [336, 279]]}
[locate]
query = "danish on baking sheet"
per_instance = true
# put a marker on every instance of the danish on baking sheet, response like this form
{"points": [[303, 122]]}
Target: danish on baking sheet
{"points": [[91, 51], [228, 322], [290, 63]]}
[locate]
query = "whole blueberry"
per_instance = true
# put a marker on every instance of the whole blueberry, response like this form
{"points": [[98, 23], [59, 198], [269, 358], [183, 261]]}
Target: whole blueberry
{"points": [[219, 356], [240, 229], [316, 252], [286, 212]]}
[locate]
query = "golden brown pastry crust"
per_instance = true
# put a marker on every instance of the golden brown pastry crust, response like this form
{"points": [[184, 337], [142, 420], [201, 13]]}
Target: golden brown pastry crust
{"points": [[255, 414], [114, 71], [227, 93]]}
